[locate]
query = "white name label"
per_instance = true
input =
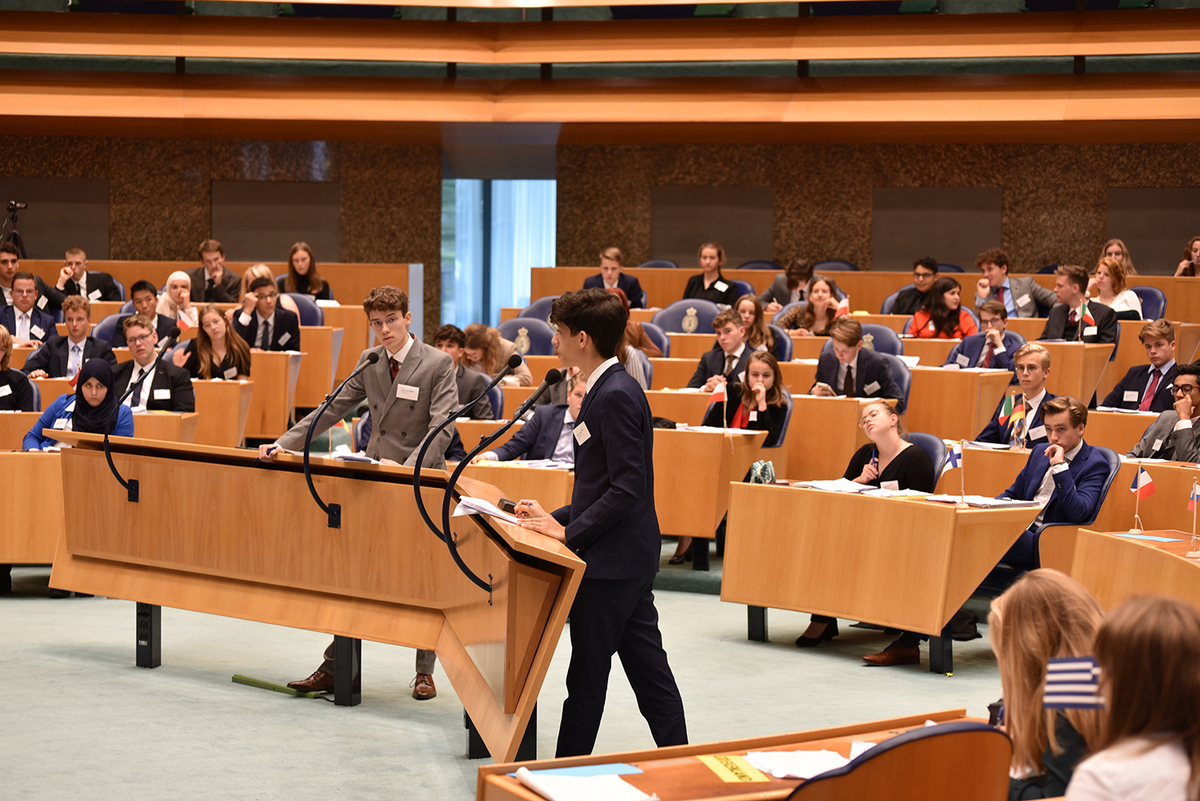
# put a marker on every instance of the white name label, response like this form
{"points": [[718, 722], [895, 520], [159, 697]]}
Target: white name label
{"points": [[582, 434], [41, 304], [94, 294], [720, 286], [37, 331], [5, 390], [1130, 395], [287, 335], [1157, 445], [1023, 300], [162, 394], [231, 373], [407, 392], [962, 359], [1089, 331], [889, 485], [1037, 433], [871, 388]]}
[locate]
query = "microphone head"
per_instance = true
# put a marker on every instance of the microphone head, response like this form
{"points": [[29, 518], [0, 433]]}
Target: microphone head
{"points": [[174, 332], [514, 361], [372, 357], [553, 377]]}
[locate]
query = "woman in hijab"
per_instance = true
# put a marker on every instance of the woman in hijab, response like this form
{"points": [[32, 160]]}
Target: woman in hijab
{"points": [[176, 301], [86, 411]]}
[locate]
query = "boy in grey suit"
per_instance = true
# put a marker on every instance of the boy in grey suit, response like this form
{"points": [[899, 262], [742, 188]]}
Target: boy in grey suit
{"points": [[410, 390], [1021, 295], [1174, 435]]}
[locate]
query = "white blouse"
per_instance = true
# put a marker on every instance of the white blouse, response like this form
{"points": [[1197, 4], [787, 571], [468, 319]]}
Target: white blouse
{"points": [[1133, 770], [1126, 300]]}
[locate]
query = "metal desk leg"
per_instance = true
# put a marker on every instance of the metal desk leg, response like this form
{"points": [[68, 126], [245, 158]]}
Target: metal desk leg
{"points": [[347, 663], [756, 623], [149, 635], [941, 652]]}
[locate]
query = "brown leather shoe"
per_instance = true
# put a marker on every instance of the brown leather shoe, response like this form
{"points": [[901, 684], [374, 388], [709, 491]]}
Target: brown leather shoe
{"points": [[318, 682], [895, 654], [423, 688]]}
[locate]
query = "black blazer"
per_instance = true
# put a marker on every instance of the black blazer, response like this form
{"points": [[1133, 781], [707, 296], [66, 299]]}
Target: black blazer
{"points": [[228, 291], [1107, 325], [770, 421], [909, 301], [192, 365], [165, 324], [1136, 381], [96, 280], [15, 393], [285, 332], [538, 437], [325, 294], [713, 363], [53, 356], [695, 289], [37, 317], [873, 368], [626, 283], [611, 521], [167, 378]]}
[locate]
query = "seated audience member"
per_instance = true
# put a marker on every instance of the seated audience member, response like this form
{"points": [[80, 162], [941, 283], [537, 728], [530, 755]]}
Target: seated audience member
{"points": [[762, 407], [816, 316], [302, 276], [888, 461], [253, 273], [942, 316], [144, 298], [710, 284], [912, 299], [263, 323], [1021, 295], [1024, 426], [49, 298], [217, 352], [758, 336], [790, 286], [86, 411], [850, 370], [1115, 249], [165, 388], [212, 282], [1149, 745], [28, 324], [1148, 388], [631, 361], [726, 362], [1174, 436], [15, 393], [557, 392], [1044, 615], [61, 357], [611, 276], [1191, 257], [1107, 286], [488, 352], [175, 303], [1069, 320], [75, 279], [993, 347], [635, 332], [471, 383], [546, 435]]}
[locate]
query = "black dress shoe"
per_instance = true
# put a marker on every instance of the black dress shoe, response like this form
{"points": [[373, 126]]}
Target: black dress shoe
{"points": [[831, 631], [56, 593]]}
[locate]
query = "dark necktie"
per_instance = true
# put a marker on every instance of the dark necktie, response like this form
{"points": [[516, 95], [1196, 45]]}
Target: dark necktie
{"points": [[730, 361], [208, 291], [848, 384], [1072, 318], [395, 367], [266, 339], [987, 357], [1000, 295], [1144, 406]]}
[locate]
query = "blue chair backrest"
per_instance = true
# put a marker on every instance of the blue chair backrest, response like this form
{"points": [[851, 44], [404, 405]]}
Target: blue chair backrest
{"points": [[659, 264], [743, 287], [949, 268], [658, 337], [310, 312], [779, 314], [120, 288], [540, 308], [890, 300], [903, 378], [1049, 268], [531, 335], [933, 446], [36, 395], [1015, 335], [837, 265], [1114, 464], [496, 396], [783, 343], [107, 327], [1154, 302], [697, 314], [127, 307], [787, 419], [760, 264], [882, 339], [647, 365], [972, 314]]}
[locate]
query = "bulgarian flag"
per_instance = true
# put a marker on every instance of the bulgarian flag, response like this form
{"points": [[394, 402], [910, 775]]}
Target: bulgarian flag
{"points": [[843, 307], [1011, 411], [1143, 485]]}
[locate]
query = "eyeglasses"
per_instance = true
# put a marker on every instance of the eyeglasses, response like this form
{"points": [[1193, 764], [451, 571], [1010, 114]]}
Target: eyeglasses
{"points": [[137, 340], [919, 274], [1182, 389], [24, 292], [988, 322], [267, 296]]}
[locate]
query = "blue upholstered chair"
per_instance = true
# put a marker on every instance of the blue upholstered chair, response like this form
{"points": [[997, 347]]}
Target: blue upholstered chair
{"points": [[106, 327], [775, 318], [310, 312], [760, 264], [647, 365], [783, 343], [35, 395], [949, 268], [658, 264], [539, 308], [934, 446], [532, 336], [890, 300], [127, 307], [671, 319], [743, 287], [496, 396], [882, 339], [903, 377], [1154, 302], [835, 265], [658, 337], [120, 288]]}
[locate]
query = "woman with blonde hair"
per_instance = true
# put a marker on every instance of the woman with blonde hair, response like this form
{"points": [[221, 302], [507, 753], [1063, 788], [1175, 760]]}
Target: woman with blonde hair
{"points": [[302, 275], [1107, 286], [1148, 650], [1115, 249], [750, 309], [488, 352], [1045, 614], [176, 301]]}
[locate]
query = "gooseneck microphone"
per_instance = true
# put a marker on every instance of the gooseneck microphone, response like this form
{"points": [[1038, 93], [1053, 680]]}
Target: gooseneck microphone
{"points": [[131, 486], [333, 510]]}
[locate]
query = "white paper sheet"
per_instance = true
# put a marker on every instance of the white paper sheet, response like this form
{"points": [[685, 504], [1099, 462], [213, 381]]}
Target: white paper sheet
{"points": [[606, 787]]}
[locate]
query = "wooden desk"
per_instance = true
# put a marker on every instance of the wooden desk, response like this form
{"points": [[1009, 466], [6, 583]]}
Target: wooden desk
{"points": [[31, 531], [494, 646], [540, 365], [551, 488], [1131, 352], [821, 438], [19, 354], [1119, 431], [798, 377], [1076, 368], [672, 373], [471, 432], [682, 407], [1114, 568], [843, 555], [167, 426], [676, 775], [51, 388], [692, 475], [1165, 509], [692, 346], [509, 312], [274, 400], [643, 315], [931, 352], [1029, 327], [808, 347], [954, 404], [224, 407], [355, 336], [322, 351]]}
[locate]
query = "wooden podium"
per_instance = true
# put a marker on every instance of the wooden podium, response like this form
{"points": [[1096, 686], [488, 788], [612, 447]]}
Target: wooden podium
{"points": [[383, 576]]}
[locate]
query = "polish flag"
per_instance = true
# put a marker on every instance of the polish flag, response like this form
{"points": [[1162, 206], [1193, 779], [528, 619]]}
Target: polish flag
{"points": [[718, 393], [1143, 485], [843, 307]]}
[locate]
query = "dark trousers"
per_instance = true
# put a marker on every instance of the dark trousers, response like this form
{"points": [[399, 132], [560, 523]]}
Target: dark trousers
{"points": [[617, 616]]}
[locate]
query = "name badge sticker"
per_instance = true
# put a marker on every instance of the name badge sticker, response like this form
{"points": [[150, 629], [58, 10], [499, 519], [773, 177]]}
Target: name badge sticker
{"points": [[890, 485], [287, 335], [231, 373], [720, 286], [5, 390], [94, 294], [1089, 331], [1037, 433], [37, 331], [1158, 443], [963, 360], [1023, 300], [1130, 395], [871, 388], [42, 301], [753, 414], [60, 423], [407, 392], [162, 394], [581, 433]]}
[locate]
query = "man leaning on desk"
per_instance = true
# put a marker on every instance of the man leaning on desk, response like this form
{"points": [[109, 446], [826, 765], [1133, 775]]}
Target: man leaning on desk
{"points": [[1174, 435], [849, 369]]}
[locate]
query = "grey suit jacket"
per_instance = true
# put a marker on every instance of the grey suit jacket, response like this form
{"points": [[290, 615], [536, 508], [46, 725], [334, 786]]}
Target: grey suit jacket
{"points": [[779, 292], [1175, 446], [1027, 294], [400, 425]]}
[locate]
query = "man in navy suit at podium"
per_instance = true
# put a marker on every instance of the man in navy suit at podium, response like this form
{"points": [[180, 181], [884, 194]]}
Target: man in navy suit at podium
{"points": [[612, 525]]}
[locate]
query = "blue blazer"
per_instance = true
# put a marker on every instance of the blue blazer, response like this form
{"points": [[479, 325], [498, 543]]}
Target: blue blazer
{"points": [[872, 369], [37, 317], [611, 521], [1077, 490], [62, 409], [973, 346], [1136, 380], [626, 283], [994, 432], [285, 328], [54, 355], [538, 437], [713, 363]]}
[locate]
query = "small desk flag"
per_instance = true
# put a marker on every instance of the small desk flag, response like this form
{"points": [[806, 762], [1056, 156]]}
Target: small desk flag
{"points": [[1073, 682], [1194, 497], [1143, 485], [843, 307], [953, 457]]}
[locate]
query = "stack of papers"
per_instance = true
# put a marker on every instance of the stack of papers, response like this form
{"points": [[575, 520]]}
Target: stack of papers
{"points": [[1125, 411], [581, 785], [545, 464], [984, 502], [836, 485], [478, 506], [803, 764]]}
